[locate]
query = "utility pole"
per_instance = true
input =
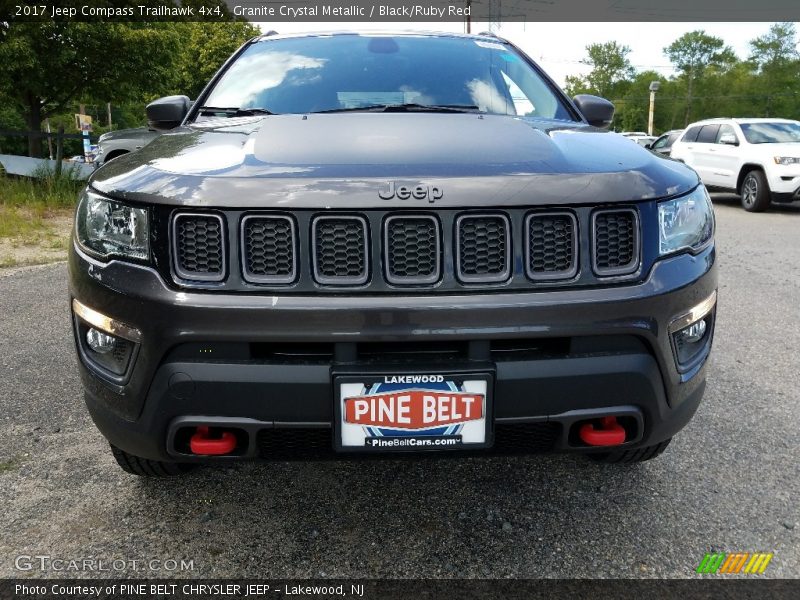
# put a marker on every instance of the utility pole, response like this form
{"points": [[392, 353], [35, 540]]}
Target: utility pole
{"points": [[654, 85], [469, 17]]}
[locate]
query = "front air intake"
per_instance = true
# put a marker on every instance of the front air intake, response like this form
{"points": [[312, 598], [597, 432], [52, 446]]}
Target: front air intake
{"points": [[616, 242], [483, 248], [340, 250], [199, 246], [412, 249], [269, 249]]}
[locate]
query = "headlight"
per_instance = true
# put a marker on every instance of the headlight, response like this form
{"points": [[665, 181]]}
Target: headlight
{"points": [[107, 228], [686, 222], [786, 160]]}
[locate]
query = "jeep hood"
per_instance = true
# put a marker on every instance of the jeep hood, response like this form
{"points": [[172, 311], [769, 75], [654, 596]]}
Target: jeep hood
{"points": [[341, 160]]}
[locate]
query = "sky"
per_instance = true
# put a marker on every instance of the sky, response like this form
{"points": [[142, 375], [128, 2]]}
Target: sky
{"points": [[559, 47]]}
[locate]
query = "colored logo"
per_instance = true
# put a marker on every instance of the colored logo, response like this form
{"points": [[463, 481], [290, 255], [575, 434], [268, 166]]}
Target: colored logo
{"points": [[413, 409], [751, 563]]}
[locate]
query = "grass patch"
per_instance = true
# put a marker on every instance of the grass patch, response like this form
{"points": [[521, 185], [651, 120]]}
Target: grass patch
{"points": [[45, 191], [36, 217], [21, 223], [7, 466]]}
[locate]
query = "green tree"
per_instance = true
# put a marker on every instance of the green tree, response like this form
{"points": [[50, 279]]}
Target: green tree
{"points": [[610, 65], [575, 84], [205, 46], [776, 61], [46, 66], [693, 54]]}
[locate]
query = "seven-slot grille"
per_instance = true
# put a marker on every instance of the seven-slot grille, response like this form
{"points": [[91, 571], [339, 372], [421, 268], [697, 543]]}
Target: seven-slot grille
{"points": [[199, 250], [268, 249], [412, 249], [381, 250], [340, 247], [616, 241], [551, 246], [483, 248]]}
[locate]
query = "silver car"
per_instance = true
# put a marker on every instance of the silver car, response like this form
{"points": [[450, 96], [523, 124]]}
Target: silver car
{"points": [[116, 143]]}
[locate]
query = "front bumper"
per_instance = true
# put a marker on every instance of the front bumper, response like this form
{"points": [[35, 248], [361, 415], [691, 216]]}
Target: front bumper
{"points": [[784, 184], [604, 350]]}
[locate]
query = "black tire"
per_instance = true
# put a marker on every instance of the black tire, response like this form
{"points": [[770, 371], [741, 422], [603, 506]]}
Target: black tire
{"points": [[635, 455], [755, 191], [144, 467]]}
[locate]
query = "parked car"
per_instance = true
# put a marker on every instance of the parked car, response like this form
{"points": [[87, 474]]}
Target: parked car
{"points": [[756, 158], [114, 144], [642, 140], [663, 144], [633, 133], [359, 244]]}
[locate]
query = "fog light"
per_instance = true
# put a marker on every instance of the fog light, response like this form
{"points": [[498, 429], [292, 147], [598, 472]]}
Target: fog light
{"points": [[106, 345], [100, 342], [693, 333]]}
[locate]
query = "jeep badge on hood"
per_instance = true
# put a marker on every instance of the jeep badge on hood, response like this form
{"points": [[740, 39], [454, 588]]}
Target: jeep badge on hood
{"points": [[404, 192]]}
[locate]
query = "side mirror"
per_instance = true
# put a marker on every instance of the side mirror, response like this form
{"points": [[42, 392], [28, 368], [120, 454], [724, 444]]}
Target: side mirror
{"points": [[649, 146], [728, 139], [167, 113], [597, 111]]}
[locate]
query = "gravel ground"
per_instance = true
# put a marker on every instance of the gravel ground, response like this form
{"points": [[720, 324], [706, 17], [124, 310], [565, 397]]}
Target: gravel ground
{"points": [[729, 482]]}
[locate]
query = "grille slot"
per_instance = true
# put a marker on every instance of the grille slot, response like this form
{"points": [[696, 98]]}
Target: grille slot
{"points": [[199, 246], [513, 438], [292, 443], [483, 248], [551, 246], [317, 443], [616, 242], [269, 249], [412, 249], [340, 250]]}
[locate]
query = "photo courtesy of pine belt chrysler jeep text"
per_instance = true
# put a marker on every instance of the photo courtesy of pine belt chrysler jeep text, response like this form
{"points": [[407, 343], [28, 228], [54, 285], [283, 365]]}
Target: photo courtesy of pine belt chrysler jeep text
{"points": [[389, 244]]}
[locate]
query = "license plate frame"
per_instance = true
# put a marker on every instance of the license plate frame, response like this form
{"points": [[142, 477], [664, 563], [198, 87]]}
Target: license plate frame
{"points": [[440, 384]]}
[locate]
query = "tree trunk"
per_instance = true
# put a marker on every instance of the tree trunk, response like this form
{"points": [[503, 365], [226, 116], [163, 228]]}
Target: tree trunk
{"points": [[59, 151], [689, 82], [34, 122]]}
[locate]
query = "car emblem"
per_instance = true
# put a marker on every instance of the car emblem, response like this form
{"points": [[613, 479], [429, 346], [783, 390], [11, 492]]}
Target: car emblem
{"points": [[406, 192]]}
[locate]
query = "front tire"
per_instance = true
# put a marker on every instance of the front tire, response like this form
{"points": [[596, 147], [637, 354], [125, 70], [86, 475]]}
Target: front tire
{"points": [[755, 192], [144, 467]]}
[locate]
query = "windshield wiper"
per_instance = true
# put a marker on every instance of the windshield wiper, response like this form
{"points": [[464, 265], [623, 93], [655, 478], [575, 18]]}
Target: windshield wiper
{"points": [[407, 107], [235, 112]]}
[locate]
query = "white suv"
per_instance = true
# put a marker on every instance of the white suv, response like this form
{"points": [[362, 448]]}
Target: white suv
{"points": [[756, 158]]}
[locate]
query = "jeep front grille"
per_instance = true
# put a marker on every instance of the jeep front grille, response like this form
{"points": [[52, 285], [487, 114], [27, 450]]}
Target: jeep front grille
{"points": [[199, 241], [412, 249], [340, 248], [381, 251], [551, 246], [616, 241], [268, 249], [483, 248]]}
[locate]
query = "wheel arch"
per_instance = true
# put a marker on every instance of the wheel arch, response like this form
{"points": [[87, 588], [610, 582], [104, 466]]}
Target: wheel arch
{"points": [[744, 170], [115, 154]]}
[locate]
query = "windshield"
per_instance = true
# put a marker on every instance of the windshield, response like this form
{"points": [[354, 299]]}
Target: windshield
{"points": [[348, 72], [771, 132]]}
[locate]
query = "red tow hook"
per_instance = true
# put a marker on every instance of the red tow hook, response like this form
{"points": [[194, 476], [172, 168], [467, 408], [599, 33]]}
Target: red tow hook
{"points": [[610, 433], [201, 443]]}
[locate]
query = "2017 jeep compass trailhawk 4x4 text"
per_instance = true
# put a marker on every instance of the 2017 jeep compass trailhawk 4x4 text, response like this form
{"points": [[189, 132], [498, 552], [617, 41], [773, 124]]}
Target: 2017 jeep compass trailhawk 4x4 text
{"points": [[378, 244]]}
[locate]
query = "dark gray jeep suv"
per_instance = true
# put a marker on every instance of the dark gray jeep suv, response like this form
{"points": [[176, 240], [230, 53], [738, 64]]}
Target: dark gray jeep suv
{"points": [[358, 244]]}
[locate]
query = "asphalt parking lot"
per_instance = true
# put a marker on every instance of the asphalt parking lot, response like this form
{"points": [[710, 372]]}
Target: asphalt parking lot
{"points": [[729, 482]]}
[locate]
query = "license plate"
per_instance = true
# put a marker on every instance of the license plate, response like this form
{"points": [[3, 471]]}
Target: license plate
{"points": [[411, 413]]}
